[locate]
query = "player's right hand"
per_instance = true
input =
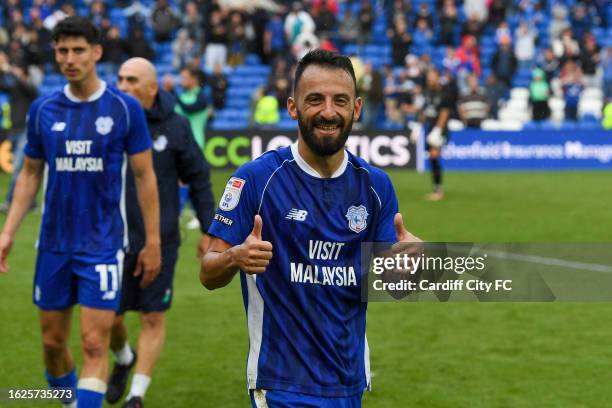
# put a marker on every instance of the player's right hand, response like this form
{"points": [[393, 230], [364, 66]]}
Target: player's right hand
{"points": [[254, 254], [6, 242]]}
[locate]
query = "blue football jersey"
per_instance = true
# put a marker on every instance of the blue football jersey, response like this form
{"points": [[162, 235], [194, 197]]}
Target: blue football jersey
{"points": [[84, 146], [306, 318]]}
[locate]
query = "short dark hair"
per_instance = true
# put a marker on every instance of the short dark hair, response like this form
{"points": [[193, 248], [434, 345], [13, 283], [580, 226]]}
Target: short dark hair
{"points": [[195, 72], [76, 26], [325, 59]]}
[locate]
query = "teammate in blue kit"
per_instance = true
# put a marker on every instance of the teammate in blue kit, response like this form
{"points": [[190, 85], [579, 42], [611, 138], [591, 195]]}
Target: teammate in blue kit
{"points": [[78, 138], [292, 221]]}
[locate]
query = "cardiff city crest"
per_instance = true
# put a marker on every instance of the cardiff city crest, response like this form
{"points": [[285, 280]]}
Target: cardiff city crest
{"points": [[357, 218], [104, 124]]}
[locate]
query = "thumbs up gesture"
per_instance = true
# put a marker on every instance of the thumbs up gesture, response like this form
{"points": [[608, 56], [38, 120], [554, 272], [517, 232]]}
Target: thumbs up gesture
{"points": [[407, 244], [254, 254]]}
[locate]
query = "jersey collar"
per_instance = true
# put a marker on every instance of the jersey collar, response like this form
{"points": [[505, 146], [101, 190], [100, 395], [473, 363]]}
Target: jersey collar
{"points": [[309, 170], [95, 96]]}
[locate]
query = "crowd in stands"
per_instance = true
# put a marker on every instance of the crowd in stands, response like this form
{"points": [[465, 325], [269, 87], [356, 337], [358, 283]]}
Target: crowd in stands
{"points": [[555, 49]]}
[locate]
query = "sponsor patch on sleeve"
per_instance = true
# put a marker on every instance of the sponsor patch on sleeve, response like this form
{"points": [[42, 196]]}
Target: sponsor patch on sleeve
{"points": [[231, 195], [224, 220]]}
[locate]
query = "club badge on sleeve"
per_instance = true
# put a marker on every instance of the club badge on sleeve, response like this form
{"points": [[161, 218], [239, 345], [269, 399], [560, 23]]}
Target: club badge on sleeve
{"points": [[231, 195]]}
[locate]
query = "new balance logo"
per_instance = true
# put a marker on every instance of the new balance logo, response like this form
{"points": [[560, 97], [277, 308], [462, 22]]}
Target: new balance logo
{"points": [[58, 127], [298, 215]]}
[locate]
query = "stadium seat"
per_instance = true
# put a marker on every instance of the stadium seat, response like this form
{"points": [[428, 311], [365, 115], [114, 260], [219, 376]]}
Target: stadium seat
{"points": [[455, 125], [531, 125], [519, 93], [490, 124], [589, 125]]}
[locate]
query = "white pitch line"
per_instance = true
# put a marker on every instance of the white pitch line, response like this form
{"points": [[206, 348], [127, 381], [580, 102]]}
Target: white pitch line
{"points": [[542, 260]]}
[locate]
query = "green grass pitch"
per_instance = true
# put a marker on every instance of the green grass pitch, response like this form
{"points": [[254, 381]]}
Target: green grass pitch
{"points": [[423, 354]]}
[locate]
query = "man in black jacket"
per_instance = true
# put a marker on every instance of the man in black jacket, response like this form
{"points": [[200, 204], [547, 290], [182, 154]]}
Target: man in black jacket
{"points": [[22, 92], [176, 157]]}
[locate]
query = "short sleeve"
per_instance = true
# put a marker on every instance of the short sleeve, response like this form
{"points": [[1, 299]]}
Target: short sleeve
{"points": [[234, 218], [34, 145], [138, 138], [385, 229]]}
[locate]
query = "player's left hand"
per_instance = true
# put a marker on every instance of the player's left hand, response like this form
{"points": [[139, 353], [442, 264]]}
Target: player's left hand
{"points": [[148, 264], [203, 245]]}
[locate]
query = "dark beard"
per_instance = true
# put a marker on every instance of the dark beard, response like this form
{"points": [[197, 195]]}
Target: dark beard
{"points": [[324, 146]]}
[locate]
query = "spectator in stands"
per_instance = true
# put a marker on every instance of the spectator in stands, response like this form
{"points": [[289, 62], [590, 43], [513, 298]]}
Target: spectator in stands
{"points": [[524, 44], [476, 10], [424, 13], [138, 46], [469, 60], [324, 18], [473, 107], [448, 21], [606, 60], [327, 44], [192, 22], [422, 35], [113, 47], [97, 11], [304, 42], [502, 30], [411, 101], [15, 82], [539, 93], [559, 22], [495, 92], [275, 44], [183, 49], [366, 21], [297, 22], [549, 64], [397, 9], [237, 39], [348, 29], [218, 84], [327, 5], [414, 70], [504, 62], [473, 27], [279, 80], [571, 82], [43, 35], [606, 121], [391, 94], [590, 60], [450, 62], [370, 89], [566, 47], [216, 41], [580, 22], [266, 111], [163, 21], [401, 41], [497, 12], [34, 58], [137, 15]]}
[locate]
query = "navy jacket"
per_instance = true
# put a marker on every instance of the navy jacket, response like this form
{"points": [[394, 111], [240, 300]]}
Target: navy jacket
{"points": [[176, 157]]}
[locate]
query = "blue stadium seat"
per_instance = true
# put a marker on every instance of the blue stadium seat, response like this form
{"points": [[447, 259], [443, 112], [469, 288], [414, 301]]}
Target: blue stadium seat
{"points": [[590, 125], [531, 125]]}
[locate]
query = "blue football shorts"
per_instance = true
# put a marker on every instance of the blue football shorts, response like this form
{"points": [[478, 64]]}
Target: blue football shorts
{"points": [[285, 399], [63, 279]]}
